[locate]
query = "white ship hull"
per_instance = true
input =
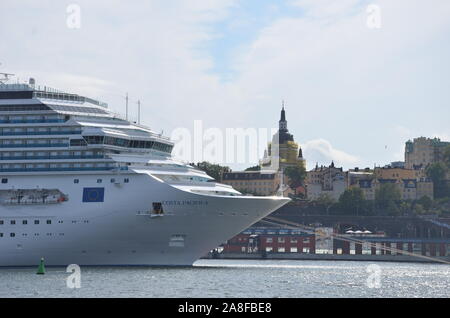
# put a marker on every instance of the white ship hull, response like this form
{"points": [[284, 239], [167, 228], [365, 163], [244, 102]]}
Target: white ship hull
{"points": [[119, 231]]}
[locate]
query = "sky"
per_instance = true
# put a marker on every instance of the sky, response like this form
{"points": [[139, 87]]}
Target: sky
{"points": [[353, 94]]}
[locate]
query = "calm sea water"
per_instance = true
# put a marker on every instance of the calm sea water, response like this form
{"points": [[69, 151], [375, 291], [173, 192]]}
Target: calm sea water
{"points": [[236, 278]]}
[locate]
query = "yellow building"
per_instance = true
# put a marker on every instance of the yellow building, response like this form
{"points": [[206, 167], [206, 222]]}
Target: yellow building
{"points": [[253, 182], [411, 183], [424, 151], [398, 173]]}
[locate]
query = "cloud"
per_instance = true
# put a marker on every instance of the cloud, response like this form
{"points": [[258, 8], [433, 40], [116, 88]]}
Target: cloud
{"points": [[322, 152], [343, 83]]}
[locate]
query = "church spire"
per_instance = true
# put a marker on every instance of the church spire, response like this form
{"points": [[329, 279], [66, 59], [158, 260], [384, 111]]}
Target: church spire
{"points": [[283, 122]]}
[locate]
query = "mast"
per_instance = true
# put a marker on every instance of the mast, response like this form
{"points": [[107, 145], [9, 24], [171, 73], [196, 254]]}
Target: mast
{"points": [[126, 103], [139, 112]]}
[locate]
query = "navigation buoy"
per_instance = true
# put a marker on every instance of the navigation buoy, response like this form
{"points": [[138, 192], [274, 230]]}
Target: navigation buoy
{"points": [[41, 268]]}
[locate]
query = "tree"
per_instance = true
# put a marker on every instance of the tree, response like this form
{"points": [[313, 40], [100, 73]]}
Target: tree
{"points": [[387, 198], [213, 170], [352, 201], [447, 156], [418, 209], [296, 176], [426, 202], [437, 173], [325, 201], [254, 168]]}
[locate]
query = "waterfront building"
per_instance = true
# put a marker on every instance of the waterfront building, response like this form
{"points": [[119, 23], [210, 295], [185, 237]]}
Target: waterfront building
{"points": [[271, 240], [398, 173], [422, 151], [412, 183], [253, 182], [329, 181], [410, 189]]}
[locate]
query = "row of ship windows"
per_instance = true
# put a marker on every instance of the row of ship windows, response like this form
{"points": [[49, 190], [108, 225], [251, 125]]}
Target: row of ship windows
{"points": [[39, 130], [19, 143], [33, 119], [24, 155], [25, 234], [120, 142], [37, 222], [112, 180], [58, 167], [25, 222]]}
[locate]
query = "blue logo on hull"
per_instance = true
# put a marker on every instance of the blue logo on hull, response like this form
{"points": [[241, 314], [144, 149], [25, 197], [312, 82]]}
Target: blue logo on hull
{"points": [[93, 194]]}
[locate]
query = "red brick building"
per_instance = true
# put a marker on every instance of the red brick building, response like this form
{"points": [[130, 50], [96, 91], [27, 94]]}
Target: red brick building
{"points": [[271, 240]]}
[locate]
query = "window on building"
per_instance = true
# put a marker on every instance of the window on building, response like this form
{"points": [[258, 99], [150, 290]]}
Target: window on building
{"points": [[76, 181], [24, 222], [13, 222], [49, 221], [4, 180], [36, 221], [12, 234]]}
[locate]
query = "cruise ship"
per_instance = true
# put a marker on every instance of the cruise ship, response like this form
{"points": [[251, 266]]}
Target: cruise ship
{"points": [[82, 185]]}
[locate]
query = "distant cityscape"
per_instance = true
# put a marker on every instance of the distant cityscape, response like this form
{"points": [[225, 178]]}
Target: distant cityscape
{"points": [[396, 212], [424, 175]]}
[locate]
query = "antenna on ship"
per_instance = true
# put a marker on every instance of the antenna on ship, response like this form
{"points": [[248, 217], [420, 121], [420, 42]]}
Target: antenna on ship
{"points": [[126, 110], [139, 112]]}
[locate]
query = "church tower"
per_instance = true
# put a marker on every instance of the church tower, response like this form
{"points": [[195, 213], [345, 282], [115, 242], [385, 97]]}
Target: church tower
{"points": [[282, 124], [283, 151]]}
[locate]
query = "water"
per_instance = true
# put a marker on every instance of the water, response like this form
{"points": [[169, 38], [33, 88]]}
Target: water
{"points": [[236, 278]]}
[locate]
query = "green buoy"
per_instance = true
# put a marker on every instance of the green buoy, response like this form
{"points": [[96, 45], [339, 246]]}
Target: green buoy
{"points": [[41, 268]]}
